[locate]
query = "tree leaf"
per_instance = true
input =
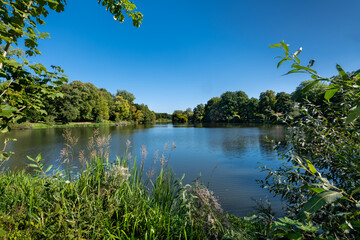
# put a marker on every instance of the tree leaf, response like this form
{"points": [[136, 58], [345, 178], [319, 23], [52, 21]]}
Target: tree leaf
{"points": [[294, 236], [342, 73], [44, 35], [330, 93], [48, 169], [281, 62], [277, 45], [311, 167], [7, 110], [317, 202], [286, 48], [355, 191], [353, 115], [310, 85], [32, 165], [315, 189]]}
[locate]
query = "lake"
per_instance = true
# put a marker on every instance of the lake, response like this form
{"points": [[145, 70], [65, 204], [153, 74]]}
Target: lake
{"points": [[224, 156]]}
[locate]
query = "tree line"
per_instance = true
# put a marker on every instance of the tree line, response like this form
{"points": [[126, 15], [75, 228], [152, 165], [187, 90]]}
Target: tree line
{"points": [[237, 107], [85, 102]]}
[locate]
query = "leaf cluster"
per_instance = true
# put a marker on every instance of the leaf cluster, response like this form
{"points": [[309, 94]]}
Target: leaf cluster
{"points": [[320, 176]]}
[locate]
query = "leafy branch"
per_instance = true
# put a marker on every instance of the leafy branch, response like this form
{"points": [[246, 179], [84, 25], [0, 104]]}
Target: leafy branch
{"points": [[336, 84]]}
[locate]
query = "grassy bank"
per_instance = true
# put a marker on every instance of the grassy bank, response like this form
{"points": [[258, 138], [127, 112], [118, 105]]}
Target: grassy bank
{"points": [[28, 125], [72, 124], [111, 201], [104, 200]]}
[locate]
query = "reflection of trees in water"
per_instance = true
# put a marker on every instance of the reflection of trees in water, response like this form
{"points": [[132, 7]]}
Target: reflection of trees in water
{"points": [[49, 142], [274, 135], [233, 141], [237, 141]]}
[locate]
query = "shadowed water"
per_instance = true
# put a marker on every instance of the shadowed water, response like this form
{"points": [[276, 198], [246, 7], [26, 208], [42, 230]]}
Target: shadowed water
{"points": [[224, 156]]}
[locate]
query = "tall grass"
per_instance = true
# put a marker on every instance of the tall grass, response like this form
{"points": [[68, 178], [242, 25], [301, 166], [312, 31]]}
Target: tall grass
{"points": [[110, 201]]}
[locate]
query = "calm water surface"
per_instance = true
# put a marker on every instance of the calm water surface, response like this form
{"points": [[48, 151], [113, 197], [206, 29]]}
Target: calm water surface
{"points": [[225, 156]]}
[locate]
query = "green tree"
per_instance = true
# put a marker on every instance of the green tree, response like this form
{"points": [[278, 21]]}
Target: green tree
{"points": [[233, 106], [199, 113], [267, 101], [213, 110], [121, 108], [136, 115], [148, 115], [315, 94], [283, 104], [126, 95], [179, 116], [190, 114], [160, 116], [252, 110]]}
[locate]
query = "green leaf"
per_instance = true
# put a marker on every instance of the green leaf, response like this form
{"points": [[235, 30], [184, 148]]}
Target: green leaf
{"points": [[294, 236], [353, 115], [48, 169], [4, 156], [317, 202], [286, 48], [310, 85], [355, 223], [298, 66], [291, 71], [7, 110], [3, 75], [32, 165], [277, 45], [281, 62], [2, 233], [44, 35], [355, 191], [311, 167], [316, 189], [342, 73], [330, 93]]}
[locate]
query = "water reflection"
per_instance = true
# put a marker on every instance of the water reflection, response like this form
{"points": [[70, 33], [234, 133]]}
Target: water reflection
{"points": [[234, 149]]}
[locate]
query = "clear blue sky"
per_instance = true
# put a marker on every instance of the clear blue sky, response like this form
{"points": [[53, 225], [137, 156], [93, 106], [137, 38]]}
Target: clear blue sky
{"points": [[189, 51]]}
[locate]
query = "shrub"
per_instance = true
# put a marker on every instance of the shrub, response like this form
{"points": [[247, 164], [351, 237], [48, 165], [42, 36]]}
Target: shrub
{"points": [[50, 120], [320, 177]]}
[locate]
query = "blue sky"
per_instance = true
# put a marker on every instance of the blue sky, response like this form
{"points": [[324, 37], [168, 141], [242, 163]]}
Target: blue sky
{"points": [[189, 51]]}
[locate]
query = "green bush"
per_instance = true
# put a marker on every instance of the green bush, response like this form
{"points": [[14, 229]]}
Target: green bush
{"points": [[24, 125], [50, 120], [320, 177]]}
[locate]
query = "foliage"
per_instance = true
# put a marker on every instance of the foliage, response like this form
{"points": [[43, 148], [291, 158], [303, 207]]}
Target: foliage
{"points": [[284, 104], [314, 95], [320, 177], [199, 113], [121, 108], [179, 116], [163, 117], [85, 102], [236, 107], [126, 95], [267, 101], [147, 114]]}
